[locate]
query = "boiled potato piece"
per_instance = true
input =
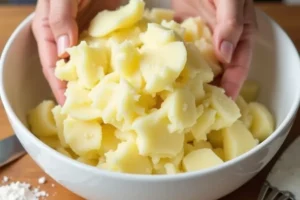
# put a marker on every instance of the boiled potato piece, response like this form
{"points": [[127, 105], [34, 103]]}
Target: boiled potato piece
{"points": [[41, 120], [200, 159], [204, 124], [59, 118], [196, 87], [227, 110], [51, 141], [244, 108], [64, 152], [125, 135], [92, 162], [175, 27], [91, 63], [189, 147], [109, 139], [66, 71], [154, 137], [193, 28], [189, 137], [108, 21], [216, 138], [83, 137], [237, 140], [182, 111], [249, 91], [171, 168], [219, 152], [126, 159], [161, 66], [263, 123], [167, 165], [159, 14], [79, 108], [129, 34], [157, 35]]}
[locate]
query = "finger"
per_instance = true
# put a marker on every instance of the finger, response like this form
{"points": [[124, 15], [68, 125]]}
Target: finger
{"points": [[62, 18], [47, 49], [229, 27]]}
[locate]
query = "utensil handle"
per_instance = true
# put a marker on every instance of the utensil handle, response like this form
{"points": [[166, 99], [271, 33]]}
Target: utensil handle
{"points": [[268, 192]]}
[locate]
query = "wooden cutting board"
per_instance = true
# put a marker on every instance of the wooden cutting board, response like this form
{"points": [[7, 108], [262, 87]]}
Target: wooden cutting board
{"points": [[25, 169]]}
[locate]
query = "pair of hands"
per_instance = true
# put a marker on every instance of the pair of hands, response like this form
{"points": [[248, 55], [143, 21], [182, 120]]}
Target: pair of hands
{"points": [[57, 24]]}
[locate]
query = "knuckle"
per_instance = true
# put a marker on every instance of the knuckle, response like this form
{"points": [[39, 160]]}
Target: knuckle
{"points": [[57, 21], [234, 24]]}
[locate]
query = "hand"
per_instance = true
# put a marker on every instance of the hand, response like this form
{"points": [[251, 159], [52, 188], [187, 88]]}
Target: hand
{"points": [[233, 24], [56, 26]]}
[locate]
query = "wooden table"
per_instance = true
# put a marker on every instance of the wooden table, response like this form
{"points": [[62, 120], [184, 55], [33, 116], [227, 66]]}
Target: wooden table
{"points": [[25, 169]]}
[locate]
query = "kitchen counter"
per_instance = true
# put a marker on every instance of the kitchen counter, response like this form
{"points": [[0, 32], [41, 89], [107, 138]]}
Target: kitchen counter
{"points": [[25, 169]]}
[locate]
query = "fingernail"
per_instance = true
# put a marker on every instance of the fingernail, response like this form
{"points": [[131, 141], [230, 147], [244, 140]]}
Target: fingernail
{"points": [[63, 43], [227, 50]]}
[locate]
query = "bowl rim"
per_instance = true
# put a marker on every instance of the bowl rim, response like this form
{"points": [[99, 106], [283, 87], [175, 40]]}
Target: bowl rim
{"points": [[136, 177]]}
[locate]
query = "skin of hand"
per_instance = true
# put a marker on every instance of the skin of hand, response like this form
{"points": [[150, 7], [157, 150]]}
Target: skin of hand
{"points": [[56, 26], [233, 24]]}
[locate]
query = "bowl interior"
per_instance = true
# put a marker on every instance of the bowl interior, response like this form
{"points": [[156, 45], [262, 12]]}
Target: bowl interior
{"points": [[275, 67]]}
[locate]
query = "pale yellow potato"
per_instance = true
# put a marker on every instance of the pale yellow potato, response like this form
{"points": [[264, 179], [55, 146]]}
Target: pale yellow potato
{"points": [[197, 65], [83, 137], [203, 124], [216, 138], [129, 34], [51, 141], [263, 123], [65, 71], [189, 137], [193, 28], [219, 152], [208, 52], [189, 147], [125, 135], [79, 108], [227, 110], [41, 120], [195, 85], [126, 159], [64, 152], [92, 162], [153, 132], [250, 91], [159, 14], [109, 140], [59, 118], [108, 21], [90, 63], [157, 35], [200, 159], [171, 168], [161, 66], [92, 41], [181, 108], [244, 108], [175, 27], [237, 140], [167, 165]]}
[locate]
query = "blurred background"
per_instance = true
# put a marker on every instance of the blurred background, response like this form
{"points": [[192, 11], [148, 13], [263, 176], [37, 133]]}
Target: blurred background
{"points": [[34, 1]]}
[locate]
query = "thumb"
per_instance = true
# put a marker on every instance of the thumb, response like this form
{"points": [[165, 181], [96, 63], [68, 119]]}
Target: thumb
{"points": [[229, 27], [62, 20]]}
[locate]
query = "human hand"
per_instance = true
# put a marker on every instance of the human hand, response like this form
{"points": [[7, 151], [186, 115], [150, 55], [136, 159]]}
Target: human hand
{"points": [[233, 24], [56, 26]]}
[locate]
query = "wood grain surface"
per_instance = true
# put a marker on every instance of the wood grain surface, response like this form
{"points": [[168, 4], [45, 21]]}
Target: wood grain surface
{"points": [[25, 169]]}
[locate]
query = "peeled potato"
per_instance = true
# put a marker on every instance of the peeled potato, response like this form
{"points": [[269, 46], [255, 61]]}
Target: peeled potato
{"points": [[237, 140], [175, 27], [66, 71], [263, 123], [246, 117], [193, 28], [109, 139], [219, 152], [200, 159], [107, 21], [52, 141], [83, 137], [249, 91], [167, 165], [92, 162], [41, 120], [216, 138], [59, 118], [159, 14]]}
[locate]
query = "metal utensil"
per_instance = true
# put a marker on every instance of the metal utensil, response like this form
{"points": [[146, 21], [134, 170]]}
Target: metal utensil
{"points": [[10, 150], [283, 182]]}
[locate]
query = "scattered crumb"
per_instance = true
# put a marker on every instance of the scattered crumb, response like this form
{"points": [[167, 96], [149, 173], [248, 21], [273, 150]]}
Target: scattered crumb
{"points": [[42, 180], [5, 179], [52, 185]]}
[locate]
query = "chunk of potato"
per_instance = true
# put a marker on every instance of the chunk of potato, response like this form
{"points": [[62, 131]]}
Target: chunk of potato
{"points": [[161, 66], [249, 91], [91, 162], [66, 71], [237, 140], [154, 137], [109, 140], [175, 27], [204, 124], [41, 120], [219, 152], [263, 123], [90, 63], [193, 28], [159, 14], [244, 108], [108, 21], [216, 138], [59, 118], [129, 34], [181, 108], [83, 137], [167, 165], [200, 159], [126, 159], [64, 152], [51, 141]]}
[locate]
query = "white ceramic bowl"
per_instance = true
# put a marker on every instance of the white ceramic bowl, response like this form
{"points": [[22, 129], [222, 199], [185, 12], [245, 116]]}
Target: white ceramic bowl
{"points": [[276, 67]]}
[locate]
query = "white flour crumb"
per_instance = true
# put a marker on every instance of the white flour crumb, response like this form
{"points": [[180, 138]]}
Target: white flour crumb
{"points": [[52, 185], [42, 180], [5, 179], [20, 191]]}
